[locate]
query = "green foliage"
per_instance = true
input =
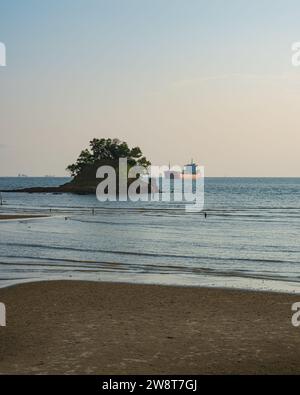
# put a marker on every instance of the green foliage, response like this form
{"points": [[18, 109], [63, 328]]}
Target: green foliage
{"points": [[107, 149]]}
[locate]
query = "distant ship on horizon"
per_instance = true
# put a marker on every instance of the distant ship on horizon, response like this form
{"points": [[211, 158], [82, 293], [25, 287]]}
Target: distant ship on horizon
{"points": [[190, 171]]}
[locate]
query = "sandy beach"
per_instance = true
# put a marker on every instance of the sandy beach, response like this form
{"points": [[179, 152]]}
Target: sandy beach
{"points": [[86, 327]]}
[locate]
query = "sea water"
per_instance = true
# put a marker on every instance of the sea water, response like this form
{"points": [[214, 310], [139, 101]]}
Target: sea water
{"points": [[249, 240]]}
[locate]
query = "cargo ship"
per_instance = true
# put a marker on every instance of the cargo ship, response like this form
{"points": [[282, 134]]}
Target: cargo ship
{"points": [[190, 172]]}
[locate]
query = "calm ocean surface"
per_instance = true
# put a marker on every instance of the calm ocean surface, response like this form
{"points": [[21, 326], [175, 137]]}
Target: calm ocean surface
{"points": [[249, 240]]}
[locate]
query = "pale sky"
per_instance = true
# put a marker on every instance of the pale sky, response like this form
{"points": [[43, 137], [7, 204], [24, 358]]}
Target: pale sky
{"points": [[210, 80]]}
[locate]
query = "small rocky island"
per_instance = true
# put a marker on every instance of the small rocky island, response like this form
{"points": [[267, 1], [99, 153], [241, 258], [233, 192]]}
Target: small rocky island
{"points": [[101, 152]]}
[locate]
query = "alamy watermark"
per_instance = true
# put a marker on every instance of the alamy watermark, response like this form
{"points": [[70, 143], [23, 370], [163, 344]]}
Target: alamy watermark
{"points": [[2, 55], [138, 183], [2, 314], [295, 54], [296, 315]]}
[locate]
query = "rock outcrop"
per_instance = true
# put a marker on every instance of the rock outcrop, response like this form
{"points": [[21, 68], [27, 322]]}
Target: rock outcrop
{"points": [[84, 183]]}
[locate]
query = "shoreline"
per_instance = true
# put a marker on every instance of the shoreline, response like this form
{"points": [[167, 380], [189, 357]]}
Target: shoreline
{"points": [[119, 328], [154, 284], [137, 282], [10, 217]]}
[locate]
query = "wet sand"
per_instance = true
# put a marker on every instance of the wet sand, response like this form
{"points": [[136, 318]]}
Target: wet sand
{"points": [[20, 216], [84, 327]]}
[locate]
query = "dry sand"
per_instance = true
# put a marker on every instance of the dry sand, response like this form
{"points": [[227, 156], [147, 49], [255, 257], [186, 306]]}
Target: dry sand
{"points": [[84, 327]]}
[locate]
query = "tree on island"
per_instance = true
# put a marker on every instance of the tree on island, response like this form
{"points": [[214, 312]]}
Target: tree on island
{"points": [[107, 150]]}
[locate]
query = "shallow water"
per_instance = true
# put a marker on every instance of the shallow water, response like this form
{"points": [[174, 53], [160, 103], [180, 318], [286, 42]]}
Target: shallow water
{"points": [[250, 238]]}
